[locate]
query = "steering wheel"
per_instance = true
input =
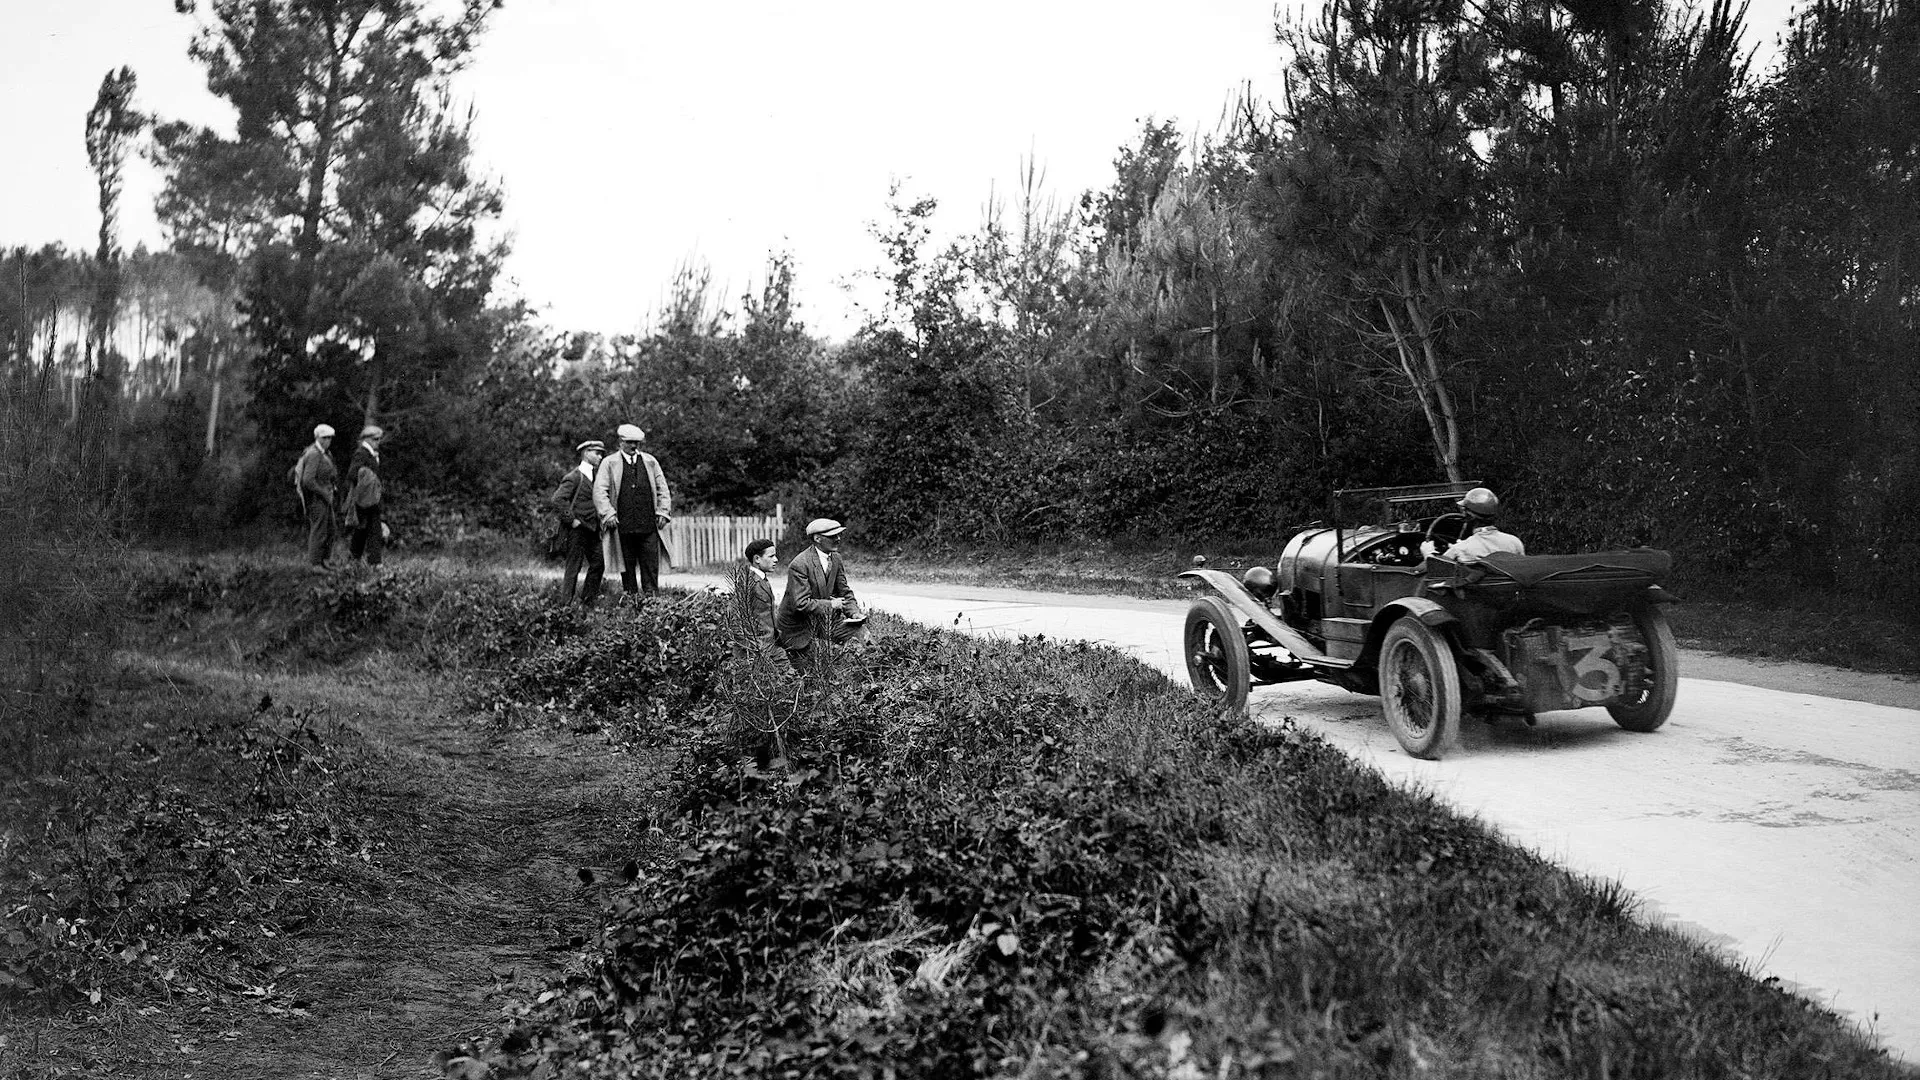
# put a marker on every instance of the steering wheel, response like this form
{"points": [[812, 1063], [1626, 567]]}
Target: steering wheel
{"points": [[1433, 531]]}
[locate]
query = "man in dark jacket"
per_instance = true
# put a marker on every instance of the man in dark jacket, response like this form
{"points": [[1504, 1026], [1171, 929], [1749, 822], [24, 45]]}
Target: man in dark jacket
{"points": [[361, 503], [313, 478], [755, 591], [818, 602], [580, 524]]}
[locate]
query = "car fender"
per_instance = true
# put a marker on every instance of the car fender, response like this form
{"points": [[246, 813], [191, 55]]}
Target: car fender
{"points": [[1407, 607], [1230, 589]]}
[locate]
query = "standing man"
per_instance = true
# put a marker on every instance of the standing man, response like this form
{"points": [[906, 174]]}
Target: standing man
{"points": [[573, 502], [818, 602], [631, 494], [362, 502], [313, 478]]}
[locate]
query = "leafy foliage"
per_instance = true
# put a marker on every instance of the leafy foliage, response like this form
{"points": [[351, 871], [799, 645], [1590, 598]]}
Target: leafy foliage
{"points": [[127, 886], [954, 858]]}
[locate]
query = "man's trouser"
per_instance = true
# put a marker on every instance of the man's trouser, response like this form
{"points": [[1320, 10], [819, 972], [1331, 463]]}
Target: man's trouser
{"points": [[640, 550], [368, 539], [319, 529], [583, 546], [809, 654]]}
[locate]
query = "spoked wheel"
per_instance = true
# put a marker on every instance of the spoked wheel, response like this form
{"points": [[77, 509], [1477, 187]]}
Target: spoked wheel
{"points": [[1217, 657], [1420, 687], [1652, 702]]}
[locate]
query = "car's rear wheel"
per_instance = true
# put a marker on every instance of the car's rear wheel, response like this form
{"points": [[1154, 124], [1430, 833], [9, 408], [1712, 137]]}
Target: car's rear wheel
{"points": [[1652, 702], [1217, 656], [1420, 688]]}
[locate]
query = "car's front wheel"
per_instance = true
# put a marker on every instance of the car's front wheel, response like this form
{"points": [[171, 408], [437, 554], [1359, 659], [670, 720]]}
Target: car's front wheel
{"points": [[1651, 702], [1420, 687], [1217, 658]]}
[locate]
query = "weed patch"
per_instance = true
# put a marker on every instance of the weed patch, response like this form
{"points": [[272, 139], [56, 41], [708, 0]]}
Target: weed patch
{"points": [[144, 877]]}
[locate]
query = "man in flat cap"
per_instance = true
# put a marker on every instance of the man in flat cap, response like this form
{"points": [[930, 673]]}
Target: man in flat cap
{"points": [[580, 522], [630, 492], [819, 602], [361, 502], [313, 478]]}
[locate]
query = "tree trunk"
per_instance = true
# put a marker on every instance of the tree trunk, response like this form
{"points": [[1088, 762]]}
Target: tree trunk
{"points": [[1420, 363], [325, 131], [213, 406]]}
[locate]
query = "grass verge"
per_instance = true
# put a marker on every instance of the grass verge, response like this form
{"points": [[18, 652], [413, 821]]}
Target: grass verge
{"points": [[948, 857]]}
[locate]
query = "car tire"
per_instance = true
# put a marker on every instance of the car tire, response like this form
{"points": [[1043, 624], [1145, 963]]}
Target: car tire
{"points": [[1650, 708], [1420, 689], [1218, 661]]}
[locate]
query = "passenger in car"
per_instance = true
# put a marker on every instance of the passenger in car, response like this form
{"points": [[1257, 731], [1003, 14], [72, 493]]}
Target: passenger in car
{"points": [[1481, 507]]}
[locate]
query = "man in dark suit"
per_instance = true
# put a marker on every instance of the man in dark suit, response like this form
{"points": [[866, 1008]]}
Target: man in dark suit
{"points": [[818, 603], [631, 494], [580, 524], [362, 498], [755, 592]]}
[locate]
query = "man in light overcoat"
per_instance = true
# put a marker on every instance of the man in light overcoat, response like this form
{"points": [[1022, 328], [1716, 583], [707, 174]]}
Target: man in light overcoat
{"points": [[314, 478], [630, 493], [819, 603]]}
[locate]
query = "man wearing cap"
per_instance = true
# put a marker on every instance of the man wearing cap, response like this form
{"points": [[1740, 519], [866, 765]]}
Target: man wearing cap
{"points": [[1481, 507], [818, 601], [360, 504], [313, 478], [580, 521], [630, 492]]}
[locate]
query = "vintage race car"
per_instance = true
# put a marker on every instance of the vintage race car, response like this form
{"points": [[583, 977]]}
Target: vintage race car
{"points": [[1359, 604]]}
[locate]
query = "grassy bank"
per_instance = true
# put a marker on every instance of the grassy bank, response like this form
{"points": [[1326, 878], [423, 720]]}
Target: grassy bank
{"points": [[328, 825], [947, 857], [1764, 619], [274, 839]]}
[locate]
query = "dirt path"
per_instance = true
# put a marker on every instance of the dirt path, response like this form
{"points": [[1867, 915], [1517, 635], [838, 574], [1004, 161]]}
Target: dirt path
{"points": [[470, 886]]}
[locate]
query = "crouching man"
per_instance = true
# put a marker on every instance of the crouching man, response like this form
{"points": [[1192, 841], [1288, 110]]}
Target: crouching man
{"points": [[819, 603]]}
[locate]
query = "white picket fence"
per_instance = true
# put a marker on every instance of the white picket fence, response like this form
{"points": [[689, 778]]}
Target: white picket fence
{"points": [[716, 539]]}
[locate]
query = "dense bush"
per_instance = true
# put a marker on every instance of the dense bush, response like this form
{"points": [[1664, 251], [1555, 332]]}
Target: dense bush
{"points": [[643, 668], [443, 617]]}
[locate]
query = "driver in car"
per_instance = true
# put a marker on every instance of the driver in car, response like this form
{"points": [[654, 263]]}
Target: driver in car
{"points": [[1481, 507]]}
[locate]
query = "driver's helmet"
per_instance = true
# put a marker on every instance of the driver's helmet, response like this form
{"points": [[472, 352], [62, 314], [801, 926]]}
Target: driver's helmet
{"points": [[1481, 502]]}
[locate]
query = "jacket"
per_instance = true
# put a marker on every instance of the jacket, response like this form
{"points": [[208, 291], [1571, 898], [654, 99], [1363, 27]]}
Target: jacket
{"points": [[574, 499], [315, 474], [1485, 540], [759, 606], [606, 488], [363, 488], [606, 493], [807, 607]]}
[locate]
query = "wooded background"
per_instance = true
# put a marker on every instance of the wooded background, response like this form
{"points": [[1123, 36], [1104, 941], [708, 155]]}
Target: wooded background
{"points": [[1578, 250]]}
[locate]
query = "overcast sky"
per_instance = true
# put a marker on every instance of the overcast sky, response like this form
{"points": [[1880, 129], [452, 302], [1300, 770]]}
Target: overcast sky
{"points": [[632, 137]]}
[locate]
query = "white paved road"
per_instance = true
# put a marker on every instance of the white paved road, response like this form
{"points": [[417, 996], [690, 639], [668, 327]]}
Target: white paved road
{"points": [[1776, 815]]}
